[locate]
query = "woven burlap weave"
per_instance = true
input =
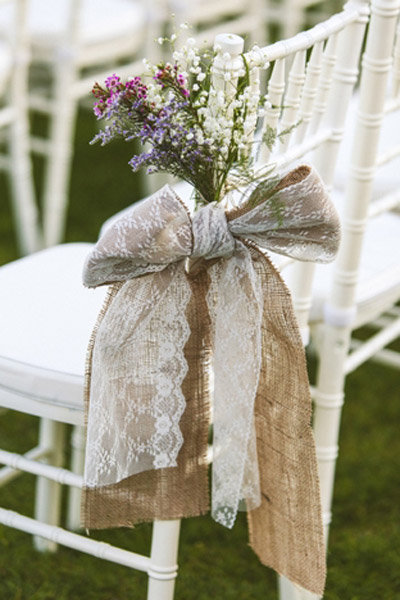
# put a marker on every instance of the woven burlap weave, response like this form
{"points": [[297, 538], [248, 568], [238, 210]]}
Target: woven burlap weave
{"points": [[286, 529]]}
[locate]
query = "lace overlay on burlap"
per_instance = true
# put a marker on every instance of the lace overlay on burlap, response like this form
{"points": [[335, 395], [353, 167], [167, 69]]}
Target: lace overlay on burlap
{"points": [[136, 397]]}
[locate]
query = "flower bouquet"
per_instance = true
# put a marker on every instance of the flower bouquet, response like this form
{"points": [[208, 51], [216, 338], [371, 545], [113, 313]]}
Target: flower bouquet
{"points": [[191, 130]]}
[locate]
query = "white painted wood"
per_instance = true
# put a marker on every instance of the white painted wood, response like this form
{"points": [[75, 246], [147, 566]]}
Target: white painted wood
{"points": [[9, 473], [48, 493], [306, 107], [328, 62], [14, 118], [30, 462], [78, 441], [396, 65], [334, 360], [56, 535], [74, 36], [164, 552], [375, 343], [207, 19], [388, 358], [292, 97]]}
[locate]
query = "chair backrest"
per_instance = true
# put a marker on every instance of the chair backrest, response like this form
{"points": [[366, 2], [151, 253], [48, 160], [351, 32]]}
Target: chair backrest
{"points": [[309, 82], [379, 101], [14, 62]]}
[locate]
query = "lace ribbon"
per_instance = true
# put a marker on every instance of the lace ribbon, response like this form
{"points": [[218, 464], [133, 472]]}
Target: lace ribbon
{"points": [[152, 338]]}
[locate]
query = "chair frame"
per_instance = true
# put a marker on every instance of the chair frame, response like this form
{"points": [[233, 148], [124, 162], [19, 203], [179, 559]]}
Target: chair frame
{"points": [[68, 88]]}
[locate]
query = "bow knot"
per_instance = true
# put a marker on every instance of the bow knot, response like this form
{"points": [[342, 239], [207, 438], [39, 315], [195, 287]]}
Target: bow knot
{"points": [[211, 234], [297, 220]]}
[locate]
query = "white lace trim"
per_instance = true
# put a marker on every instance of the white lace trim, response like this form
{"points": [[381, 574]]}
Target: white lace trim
{"points": [[127, 432]]}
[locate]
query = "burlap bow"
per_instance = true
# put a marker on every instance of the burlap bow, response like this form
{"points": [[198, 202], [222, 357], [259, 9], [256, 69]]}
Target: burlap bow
{"points": [[163, 332]]}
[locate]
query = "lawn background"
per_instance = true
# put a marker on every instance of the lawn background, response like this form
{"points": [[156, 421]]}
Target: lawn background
{"points": [[364, 549]]}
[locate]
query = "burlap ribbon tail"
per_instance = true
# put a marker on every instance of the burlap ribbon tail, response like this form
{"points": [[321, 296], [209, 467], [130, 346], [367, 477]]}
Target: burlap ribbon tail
{"points": [[172, 342]]}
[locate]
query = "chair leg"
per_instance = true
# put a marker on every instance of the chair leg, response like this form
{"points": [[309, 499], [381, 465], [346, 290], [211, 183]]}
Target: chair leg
{"points": [[60, 152], [48, 493], [333, 350], [290, 591], [164, 554], [77, 466]]}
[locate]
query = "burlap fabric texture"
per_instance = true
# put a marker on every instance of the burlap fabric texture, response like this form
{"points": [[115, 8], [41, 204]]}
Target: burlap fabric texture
{"points": [[165, 329]]}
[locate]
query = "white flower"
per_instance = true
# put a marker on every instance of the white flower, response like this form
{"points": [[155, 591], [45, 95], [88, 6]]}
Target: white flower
{"points": [[160, 41], [201, 76]]}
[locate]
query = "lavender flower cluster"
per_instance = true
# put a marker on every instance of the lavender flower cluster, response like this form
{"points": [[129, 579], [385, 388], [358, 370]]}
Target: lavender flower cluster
{"points": [[167, 123]]}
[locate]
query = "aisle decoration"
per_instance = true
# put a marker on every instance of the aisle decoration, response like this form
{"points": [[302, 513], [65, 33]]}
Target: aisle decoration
{"points": [[195, 295]]}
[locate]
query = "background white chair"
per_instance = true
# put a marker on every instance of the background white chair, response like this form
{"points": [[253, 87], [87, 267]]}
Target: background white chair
{"points": [[14, 124], [74, 43], [53, 314]]}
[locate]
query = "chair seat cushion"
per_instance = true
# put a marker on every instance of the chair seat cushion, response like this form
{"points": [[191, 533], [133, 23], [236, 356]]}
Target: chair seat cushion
{"points": [[47, 316], [46, 319]]}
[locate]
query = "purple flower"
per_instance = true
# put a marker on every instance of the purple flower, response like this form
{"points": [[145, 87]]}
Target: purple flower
{"points": [[112, 81], [98, 109]]}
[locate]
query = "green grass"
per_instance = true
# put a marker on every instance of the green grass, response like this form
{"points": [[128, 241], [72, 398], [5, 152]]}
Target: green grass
{"points": [[364, 549]]}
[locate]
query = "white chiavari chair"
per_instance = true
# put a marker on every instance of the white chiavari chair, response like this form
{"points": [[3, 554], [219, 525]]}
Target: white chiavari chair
{"points": [[75, 42], [312, 76], [362, 287], [14, 125]]}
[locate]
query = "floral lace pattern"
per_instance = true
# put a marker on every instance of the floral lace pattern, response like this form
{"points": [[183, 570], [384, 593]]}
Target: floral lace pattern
{"points": [[239, 300]]}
